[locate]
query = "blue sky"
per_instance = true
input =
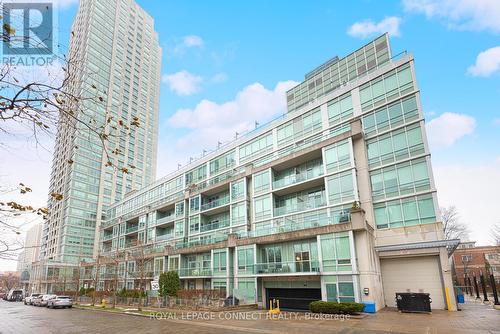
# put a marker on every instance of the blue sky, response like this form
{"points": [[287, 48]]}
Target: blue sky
{"points": [[228, 63]]}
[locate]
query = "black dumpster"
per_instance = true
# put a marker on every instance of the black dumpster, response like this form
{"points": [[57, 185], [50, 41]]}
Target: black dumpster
{"points": [[231, 301], [413, 302]]}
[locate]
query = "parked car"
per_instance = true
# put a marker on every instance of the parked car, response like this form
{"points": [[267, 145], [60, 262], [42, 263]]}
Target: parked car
{"points": [[29, 300], [15, 295], [60, 301], [42, 300]]}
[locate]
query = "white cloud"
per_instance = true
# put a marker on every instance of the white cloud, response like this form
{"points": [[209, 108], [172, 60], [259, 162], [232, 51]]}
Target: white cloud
{"points": [[446, 129], [192, 41], [496, 121], [487, 63], [187, 42], [209, 122], [474, 15], [183, 83], [369, 28], [219, 78], [472, 190]]}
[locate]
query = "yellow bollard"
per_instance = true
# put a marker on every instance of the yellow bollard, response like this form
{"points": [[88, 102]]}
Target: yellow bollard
{"points": [[103, 303], [448, 302], [273, 309]]}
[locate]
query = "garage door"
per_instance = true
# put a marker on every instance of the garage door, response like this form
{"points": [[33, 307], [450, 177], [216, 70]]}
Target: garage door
{"points": [[293, 299], [413, 274]]}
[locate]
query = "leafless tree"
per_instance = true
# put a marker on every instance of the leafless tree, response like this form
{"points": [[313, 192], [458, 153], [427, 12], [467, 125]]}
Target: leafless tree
{"points": [[143, 262], [452, 226], [9, 281], [54, 102]]}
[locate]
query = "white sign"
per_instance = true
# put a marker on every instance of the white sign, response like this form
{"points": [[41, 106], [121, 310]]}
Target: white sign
{"points": [[155, 286]]}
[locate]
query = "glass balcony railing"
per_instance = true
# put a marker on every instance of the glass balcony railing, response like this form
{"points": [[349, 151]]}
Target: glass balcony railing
{"points": [[302, 206], [107, 237], [287, 267], [201, 242], [194, 272], [216, 203], [297, 178], [214, 225], [165, 220], [132, 229], [289, 225], [166, 236]]}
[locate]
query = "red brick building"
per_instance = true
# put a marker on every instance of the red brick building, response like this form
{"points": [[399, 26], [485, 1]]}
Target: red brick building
{"points": [[472, 260]]}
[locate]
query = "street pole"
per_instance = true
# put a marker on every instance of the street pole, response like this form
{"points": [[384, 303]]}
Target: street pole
{"points": [[483, 285], [476, 287], [494, 287]]}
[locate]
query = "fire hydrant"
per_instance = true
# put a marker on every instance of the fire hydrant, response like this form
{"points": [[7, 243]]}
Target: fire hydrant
{"points": [[103, 303]]}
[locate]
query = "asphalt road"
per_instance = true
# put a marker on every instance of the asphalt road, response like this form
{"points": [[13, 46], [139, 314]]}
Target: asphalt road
{"points": [[15, 317]]}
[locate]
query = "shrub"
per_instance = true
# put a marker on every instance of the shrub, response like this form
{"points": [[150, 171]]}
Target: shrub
{"points": [[336, 308]]}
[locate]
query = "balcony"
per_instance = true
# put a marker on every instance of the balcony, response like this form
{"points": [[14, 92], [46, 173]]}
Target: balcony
{"points": [[287, 267], [132, 229], [202, 242], [165, 220], [184, 272], [166, 236], [308, 222], [297, 178], [204, 227], [300, 206], [215, 203], [107, 237]]}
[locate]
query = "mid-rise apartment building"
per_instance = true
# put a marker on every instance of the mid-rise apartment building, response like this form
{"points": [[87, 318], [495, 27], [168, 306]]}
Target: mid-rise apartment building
{"points": [[114, 61], [335, 200]]}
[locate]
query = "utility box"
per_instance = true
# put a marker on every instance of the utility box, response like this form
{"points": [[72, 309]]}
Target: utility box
{"points": [[413, 302], [369, 307]]}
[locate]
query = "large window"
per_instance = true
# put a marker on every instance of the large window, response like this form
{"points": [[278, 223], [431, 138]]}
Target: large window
{"points": [[338, 156], [239, 213], [299, 127], [386, 88], [405, 212], [220, 263], [196, 175], [222, 163], [237, 190], [340, 109], [395, 146], [336, 252], [341, 188], [263, 207], [261, 182], [245, 260], [391, 116], [259, 145], [401, 179]]}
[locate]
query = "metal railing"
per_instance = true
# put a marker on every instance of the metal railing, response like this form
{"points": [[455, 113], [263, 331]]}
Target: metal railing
{"points": [[284, 225], [194, 272], [296, 178], [216, 203], [205, 241], [132, 229], [317, 203], [165, 220], [214, 225], [165, 236], [286, 267]]}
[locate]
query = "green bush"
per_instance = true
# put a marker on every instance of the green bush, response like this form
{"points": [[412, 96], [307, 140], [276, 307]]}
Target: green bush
{"points": [[336, 308]]}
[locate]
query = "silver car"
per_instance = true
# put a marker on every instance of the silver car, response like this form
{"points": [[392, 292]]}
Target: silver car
{"points": [[60, 301], [29, 300], [42, 301]]}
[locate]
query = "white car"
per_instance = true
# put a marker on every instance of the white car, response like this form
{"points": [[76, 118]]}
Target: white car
{"points": [[60, 301], [42, 301], [29, 300]]}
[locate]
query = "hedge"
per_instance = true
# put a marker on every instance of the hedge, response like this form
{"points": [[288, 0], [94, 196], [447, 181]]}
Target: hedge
{"points": [[335, 308]]}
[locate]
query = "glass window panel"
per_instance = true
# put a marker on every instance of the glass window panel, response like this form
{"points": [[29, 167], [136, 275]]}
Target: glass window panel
{"points": [[410, 212]]}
